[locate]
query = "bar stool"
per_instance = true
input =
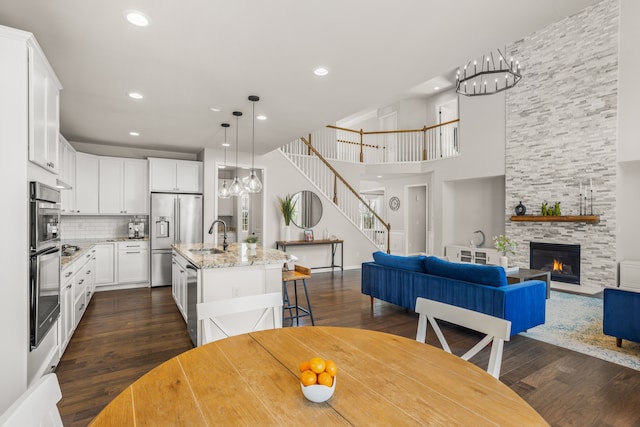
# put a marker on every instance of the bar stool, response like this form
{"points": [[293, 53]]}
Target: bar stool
{"points": [[299, 273]]}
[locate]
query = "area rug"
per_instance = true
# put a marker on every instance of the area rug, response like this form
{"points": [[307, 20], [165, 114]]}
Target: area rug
{"points": [[575, 322]]}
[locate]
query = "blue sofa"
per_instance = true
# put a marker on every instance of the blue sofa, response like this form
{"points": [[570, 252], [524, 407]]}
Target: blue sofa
{"points": [[621, 317], [400, 280]]}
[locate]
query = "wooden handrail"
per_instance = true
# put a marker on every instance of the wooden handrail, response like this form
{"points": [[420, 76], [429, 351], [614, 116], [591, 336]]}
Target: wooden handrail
{"points": [[344, 141], [336, 175], [380, 132]]}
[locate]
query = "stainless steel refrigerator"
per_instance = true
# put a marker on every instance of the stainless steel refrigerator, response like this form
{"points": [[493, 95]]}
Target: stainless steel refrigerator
{"points": [[175, 218]]}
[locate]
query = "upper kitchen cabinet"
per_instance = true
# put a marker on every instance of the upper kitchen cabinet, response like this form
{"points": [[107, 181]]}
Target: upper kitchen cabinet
{"points": [[175, 176], [67, 176], [87, 183], [123, 186], [44, 112]]}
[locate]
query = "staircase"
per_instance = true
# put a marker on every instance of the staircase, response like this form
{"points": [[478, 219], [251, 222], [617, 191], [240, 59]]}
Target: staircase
{"points": [[329, 182], [311, 157]]}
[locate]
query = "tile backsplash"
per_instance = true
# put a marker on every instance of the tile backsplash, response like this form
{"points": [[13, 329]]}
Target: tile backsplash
{"points": [[98, 227]]}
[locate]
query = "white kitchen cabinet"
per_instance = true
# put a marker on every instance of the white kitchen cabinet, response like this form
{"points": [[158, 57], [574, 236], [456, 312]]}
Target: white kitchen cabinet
{"points": [[44, 112], [133, 261], [87, 183], [123, 186], [169, 175], [179, 283], [67, 176], [472, 255], [67, 307], [105, 264]]}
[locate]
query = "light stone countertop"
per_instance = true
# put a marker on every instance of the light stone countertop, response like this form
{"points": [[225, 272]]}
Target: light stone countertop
{"points": [[237, 255], [86, 244]]}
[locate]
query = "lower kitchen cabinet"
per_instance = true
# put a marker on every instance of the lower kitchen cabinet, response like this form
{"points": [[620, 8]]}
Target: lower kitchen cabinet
{"points": [[105, 264], [179, 283], [67, 308], [133, 261]]}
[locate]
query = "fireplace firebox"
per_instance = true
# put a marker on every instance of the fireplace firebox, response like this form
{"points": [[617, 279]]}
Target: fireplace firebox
{"points": [[563, 261]]}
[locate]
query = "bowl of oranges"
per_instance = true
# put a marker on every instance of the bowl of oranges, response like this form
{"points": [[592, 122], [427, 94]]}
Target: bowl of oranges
{"points": [[318, 379]]}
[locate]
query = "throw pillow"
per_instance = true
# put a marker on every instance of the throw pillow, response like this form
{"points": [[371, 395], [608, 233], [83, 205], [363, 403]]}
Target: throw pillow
{"points": [[411, 263], [492, 275]]}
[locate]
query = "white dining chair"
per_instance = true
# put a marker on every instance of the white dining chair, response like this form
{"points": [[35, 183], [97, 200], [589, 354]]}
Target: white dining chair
{"points": [[217, 324], [498, 330], [37, 406]]}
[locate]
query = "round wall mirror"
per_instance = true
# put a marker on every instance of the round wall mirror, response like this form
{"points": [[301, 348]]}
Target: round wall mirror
{"points": [[308, 209]]}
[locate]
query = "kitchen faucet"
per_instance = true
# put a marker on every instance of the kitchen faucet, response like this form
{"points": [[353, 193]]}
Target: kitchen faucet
{"points": [[224, 233]]}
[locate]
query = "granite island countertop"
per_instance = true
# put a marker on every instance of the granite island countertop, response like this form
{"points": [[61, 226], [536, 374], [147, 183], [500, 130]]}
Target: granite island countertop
{"points": [[237, 255]]}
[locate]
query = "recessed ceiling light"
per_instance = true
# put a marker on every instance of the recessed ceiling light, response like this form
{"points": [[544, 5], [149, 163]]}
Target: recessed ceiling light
{"points": [[214, 109], [320, 71], [436, 88], [225, 144], [261, 117], [379, 176], [134, 133], [135, 95], [136, 18]]}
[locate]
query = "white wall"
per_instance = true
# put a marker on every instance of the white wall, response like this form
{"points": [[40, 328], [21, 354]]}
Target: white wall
{"points": [[477, 204], [14, 324], [628, 88], [628, 233]]}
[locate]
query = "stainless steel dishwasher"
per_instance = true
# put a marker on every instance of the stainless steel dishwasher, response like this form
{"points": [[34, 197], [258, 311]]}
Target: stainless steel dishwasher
{"points": [[192, 300]]}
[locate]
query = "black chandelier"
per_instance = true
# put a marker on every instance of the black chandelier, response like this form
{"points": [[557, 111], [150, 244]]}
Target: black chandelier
{"points": [[494, 74]]}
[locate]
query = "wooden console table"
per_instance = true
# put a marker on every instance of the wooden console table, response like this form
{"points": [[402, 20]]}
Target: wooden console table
{"points": [[334, 246]]}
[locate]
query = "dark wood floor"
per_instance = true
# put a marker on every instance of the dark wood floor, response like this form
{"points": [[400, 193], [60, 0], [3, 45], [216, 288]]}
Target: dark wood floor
{"points": [[124, 334]]}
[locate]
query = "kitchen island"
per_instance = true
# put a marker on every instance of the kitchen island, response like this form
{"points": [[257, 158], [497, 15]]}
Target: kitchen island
{"points": [[203, 272]]}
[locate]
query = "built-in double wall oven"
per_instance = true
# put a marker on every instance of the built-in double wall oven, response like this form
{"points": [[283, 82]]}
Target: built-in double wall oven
{"points": [[44, 260]]}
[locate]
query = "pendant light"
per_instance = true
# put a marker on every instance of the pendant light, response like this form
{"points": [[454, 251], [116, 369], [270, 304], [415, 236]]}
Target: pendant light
{"points": [[253, 185], [236, 189], [223, 193]]}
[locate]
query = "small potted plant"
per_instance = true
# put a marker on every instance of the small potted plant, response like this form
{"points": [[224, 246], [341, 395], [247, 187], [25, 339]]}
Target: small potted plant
{"points": [[288, 208], [504, 245], [251, 241]]}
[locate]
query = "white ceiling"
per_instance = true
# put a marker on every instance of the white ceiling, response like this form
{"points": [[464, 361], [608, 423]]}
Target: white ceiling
{"points": [[202, 53]]}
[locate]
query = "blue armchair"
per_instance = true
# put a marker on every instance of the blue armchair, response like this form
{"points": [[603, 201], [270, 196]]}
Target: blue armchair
{"points": [[621, 317]]}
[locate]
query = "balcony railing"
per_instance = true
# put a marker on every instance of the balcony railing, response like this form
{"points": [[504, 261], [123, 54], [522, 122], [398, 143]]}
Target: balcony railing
{"points": [[387, 146]]}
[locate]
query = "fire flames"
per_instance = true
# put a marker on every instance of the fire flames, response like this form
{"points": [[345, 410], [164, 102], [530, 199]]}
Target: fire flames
{"points": [[557, 265]]}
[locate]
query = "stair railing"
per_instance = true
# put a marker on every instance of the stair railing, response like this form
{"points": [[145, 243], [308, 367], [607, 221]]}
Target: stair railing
{"points": [[333, 185]]}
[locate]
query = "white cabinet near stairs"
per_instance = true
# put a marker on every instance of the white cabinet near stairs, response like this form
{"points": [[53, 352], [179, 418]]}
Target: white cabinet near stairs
{"points": [[472, 255]]}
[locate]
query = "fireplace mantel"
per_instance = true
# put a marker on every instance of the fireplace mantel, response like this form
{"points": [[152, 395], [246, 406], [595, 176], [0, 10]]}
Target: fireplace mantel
{"points": [[590, 219]]}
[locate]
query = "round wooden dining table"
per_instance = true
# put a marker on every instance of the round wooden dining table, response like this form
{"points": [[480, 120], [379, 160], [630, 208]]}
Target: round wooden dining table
{"points": [[382, 379]]}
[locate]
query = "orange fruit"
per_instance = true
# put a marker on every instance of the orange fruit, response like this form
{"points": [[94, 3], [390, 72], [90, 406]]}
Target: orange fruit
{"points": [[331, 368], [317, 364], [304, 366], [308, 378], [325, 379]]}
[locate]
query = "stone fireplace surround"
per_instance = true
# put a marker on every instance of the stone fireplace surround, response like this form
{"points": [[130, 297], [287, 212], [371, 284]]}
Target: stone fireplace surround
{"points": [[561, 129]]}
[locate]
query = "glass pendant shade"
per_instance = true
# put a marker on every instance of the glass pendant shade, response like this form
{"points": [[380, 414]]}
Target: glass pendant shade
{"points": [[236, 188], [223, 192], [253, 184]]}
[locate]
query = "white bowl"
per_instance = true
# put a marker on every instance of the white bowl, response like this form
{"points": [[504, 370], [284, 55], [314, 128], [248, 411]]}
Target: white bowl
{"points": [[318, 393]]}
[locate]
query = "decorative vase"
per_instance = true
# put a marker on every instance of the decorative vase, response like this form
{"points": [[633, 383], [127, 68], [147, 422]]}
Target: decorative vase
{"points": [[252, 245], [287, 233], [504, 262], [520, 209]]}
